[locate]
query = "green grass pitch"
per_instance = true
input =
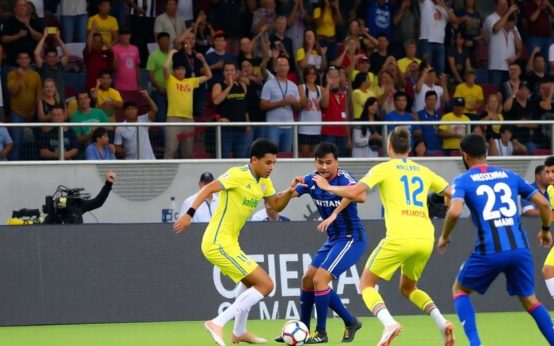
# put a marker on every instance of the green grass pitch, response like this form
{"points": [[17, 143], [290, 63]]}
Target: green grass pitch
{"points": [[504, 329]]}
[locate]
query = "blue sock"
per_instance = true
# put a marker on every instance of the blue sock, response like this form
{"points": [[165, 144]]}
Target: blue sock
{"points": [[543, 320], [306, 306], [466, 314], [337, 306], [321, 306]]}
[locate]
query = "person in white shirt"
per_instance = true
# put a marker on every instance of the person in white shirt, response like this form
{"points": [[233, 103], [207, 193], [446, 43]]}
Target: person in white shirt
{"points": [[170, 22], [207, 208], [505, 145], [425, 83], [268, 214], [126, 136], [504, 41], [74, 19]]}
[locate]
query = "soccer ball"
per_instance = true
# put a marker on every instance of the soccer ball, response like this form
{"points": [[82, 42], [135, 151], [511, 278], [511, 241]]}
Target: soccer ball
{"points": [[295, 333]]}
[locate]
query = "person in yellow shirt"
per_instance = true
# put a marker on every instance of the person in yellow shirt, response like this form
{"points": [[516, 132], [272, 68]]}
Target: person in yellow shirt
{"points": [[471, 93], [104, 24], [327, 18], [179, 105], [452, 134], [409, 241], [240, 189], [410, 47], [362, 91], [106, 97]]}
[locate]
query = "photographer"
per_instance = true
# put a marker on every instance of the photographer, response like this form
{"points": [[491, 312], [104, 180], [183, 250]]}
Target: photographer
{"points": [[75, 206]]}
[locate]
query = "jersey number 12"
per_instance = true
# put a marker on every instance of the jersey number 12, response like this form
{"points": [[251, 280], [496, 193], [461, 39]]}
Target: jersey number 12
{"points": [[413, 190]]}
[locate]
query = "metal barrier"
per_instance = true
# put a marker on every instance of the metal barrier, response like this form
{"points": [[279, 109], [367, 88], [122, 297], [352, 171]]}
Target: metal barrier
{"points": [[294, 125]]}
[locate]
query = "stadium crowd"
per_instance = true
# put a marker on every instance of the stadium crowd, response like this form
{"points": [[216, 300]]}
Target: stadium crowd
{"points": [[272, 61]]}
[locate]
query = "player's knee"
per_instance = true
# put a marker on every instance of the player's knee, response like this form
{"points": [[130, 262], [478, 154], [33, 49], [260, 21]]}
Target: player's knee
{"points": [[267, 287], [308, 282], [320, 281], [406, 290]]}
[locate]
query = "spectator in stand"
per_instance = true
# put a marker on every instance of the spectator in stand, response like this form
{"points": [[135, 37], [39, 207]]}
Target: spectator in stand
{"points": [[49, 138], [363, 65], [229, 97], [6, 143], [49, 66], [268, 214], [24, 88], [504, 41], [100, 148], [404, 27], [86, 114], [49, 99], [247, 17], [2, 110], [420, 148], [410, 47], [470, 24], [541, 183], [399, 113], [391, 66], [361, 92], [186, 10], [74, 20], [217, 58], [311, 54], [279, 41], [98, 57], [141, 20], [435, 15], [155, 67], [20, 33], [492, 112], [180, 106], [429, 133], [426, 82], [458, 58], [328, 17], [209, 205], [536, 70], [106, 97], [104, 24], [298, 13], [204, 32], [452, 134], [378, 18], [522, 107], [471, 93], [254, 84], [385, 92], [410, 80], [126, 137], [367, 42], [538, 14], [334, 104], [126, 63], [170, 22], [507, 88], [367, 139], [280, 99], [264, 17], [247, 50], [349, 55], [380, 55], [224, 16], [545, 111], [310, 100], [505, 145]]}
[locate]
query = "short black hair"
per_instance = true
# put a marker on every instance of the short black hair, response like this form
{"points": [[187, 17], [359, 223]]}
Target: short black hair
{"points": [[474, 146], [57, 106], [261, 147], [549, 161], [50, 50], [104, 72], [128, 104], [399, 94], [229, 62], [325, 148], [431, 93], [539, 169], [162, 35], [400, 139], [99, 132], [504, 128]]}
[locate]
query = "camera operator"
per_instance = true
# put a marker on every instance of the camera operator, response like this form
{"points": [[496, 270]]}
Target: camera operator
{"points": [[73, 212]]}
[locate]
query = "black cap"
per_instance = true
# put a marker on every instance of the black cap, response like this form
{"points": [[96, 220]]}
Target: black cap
{"points": [[206, 177], [459, 101], [124, 31]]}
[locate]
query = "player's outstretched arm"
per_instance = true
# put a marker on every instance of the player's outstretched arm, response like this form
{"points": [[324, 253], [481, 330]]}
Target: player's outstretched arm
{"points": [[544, 236], [350, 192], [184, 220], [279, 201], [452, 216]]}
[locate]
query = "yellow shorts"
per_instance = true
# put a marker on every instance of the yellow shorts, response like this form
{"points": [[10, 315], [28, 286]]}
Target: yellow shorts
{"points": [[411, 255], [549, 261], [230, 260]]}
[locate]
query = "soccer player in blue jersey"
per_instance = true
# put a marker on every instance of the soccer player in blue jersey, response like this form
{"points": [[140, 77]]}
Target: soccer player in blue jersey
{"points": [[502, 245], [345, 245]]}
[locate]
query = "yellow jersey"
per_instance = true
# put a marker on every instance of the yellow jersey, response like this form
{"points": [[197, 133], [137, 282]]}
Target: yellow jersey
{"points": [[240, 196], [403, 186], [105, 27], [472, 95], [180, 96], [460, 129], [108, 95], [327, 28]]}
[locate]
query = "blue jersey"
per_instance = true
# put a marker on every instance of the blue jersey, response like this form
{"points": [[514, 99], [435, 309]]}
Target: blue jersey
{"points": [[347, 225], [527, 205], [491, 194]]}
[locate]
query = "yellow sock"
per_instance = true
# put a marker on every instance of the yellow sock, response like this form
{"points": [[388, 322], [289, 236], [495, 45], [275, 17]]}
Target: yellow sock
{"points": [[422, 300], [373, 300]]}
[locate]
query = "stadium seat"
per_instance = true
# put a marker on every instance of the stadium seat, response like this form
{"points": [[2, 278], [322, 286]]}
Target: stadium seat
{"points": [[455, 153], [488, 89], [542, 152], [285, 155]]}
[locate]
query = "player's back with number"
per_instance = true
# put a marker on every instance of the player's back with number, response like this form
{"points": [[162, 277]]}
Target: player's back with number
{"points": [[491, 195], [403, 186]]}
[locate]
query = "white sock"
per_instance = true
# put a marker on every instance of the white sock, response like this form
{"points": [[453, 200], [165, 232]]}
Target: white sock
{"points": [[244, 302], [439, 319], [550, 286], [242, 317], [385, 317]]}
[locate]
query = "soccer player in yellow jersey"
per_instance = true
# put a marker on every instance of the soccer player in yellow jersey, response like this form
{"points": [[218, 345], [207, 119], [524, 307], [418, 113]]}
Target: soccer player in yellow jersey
{"points": [[408, 244], [241, 190]]}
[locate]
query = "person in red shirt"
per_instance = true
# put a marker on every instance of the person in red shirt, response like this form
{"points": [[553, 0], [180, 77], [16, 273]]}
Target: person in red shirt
{"points": [[98, 57], [334, 106]]}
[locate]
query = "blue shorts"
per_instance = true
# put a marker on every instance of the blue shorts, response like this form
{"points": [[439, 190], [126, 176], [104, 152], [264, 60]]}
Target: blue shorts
{"points": [[336, 256], [479, 271]]}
